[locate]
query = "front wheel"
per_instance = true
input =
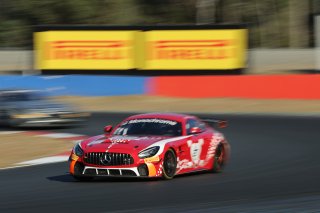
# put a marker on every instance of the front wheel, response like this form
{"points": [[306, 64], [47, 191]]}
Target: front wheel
{"points": [[78, 169], [169, 165], [219, 159]]}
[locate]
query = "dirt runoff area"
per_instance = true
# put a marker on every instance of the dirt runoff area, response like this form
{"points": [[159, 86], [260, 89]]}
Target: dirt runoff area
{"points": [[19, 147], [141, 103]]}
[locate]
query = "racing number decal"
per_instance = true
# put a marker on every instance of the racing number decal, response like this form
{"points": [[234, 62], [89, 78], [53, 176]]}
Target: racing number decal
{"points": [[195, 151], [195, 154]]}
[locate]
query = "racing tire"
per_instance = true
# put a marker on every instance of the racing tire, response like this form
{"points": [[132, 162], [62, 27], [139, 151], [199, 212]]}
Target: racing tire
{"points": [[169, 165], [219, 159], [78, 169]]}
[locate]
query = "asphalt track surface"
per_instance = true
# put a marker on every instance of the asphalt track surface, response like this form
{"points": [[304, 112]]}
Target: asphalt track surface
{"points": [[274, 167]]}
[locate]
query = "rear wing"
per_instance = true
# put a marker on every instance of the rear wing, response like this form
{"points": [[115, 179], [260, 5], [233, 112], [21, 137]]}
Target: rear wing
{"points": [[216, 122]]}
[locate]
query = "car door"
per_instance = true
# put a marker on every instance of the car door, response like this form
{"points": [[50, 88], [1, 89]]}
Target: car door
{"points": [[198, 143], [3, 109]]}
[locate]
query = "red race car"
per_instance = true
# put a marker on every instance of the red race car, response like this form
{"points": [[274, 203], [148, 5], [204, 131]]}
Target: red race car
{"points": [[151, 145]]}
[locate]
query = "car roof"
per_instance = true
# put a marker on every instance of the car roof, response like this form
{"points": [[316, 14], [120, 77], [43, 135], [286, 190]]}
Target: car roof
{"points": [[15, 91], [168, 116]]}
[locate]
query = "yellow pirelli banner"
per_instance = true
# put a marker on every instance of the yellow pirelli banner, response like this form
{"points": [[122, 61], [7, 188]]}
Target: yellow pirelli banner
{"points": [[210, 49], [84, 50], [140, 48]]}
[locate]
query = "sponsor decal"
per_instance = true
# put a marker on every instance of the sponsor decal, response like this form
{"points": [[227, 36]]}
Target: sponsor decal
{"points": [[135, 49], [215, 140], [94, 50], [183, 164], [195, 49], [152, 159], [195, 151], [86, 50], [192, 49], [113, 140], [119, 139], [74, 157]]}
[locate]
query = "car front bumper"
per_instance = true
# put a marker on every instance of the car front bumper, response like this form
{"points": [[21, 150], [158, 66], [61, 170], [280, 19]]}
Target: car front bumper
{"points": [[140, 169]]}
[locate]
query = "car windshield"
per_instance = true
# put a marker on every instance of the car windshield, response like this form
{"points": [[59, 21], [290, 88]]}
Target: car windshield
{"points": [[149, 126], [23, 96]]}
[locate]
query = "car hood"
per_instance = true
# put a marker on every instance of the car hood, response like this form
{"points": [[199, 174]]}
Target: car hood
{"points": [[119, 143]]}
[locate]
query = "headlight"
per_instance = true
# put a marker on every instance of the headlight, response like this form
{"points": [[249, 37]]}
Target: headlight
{"points": [[149, 152], [78, 150]]}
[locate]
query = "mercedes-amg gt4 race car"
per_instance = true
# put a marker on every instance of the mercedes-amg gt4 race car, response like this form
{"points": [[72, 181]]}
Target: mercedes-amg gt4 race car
{"points": [[151, 145]]}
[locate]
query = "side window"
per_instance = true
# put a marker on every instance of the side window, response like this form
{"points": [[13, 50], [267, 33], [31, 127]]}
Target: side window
{"points": [[194, 123], [202, 126]]}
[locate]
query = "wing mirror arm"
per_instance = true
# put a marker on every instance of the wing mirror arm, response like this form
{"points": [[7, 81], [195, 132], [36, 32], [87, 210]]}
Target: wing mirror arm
{"points": [[195, 130], [107, 130]]}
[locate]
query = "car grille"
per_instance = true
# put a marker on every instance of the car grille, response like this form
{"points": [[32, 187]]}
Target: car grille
{"points": [[108, 159]]}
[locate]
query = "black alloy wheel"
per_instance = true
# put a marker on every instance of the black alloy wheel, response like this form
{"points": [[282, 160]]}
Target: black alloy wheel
{"points": [[78, 169], [169, 165], [219, 159]]}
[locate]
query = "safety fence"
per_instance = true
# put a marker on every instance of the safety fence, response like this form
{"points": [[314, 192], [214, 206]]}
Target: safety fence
{"points": [[247, 86]]}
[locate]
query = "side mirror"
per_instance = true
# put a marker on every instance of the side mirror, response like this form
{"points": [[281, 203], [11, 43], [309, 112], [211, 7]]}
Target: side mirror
{"points": [[107, 129], [222, 124], [195, 130]]}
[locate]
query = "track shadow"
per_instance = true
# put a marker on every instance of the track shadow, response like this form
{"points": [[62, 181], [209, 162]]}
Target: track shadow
{"points": [[306, 71], [67, 178]]}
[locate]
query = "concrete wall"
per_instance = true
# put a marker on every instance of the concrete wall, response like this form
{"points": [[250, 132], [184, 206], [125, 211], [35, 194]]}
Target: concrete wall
{"points": [[260, 60], [274, 60], [15, 61]]}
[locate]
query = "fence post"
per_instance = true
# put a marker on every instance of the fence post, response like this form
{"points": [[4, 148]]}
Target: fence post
{"points": [[317, 41]]}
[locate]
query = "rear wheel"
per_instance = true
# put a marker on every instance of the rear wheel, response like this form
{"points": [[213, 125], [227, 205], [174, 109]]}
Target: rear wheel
{"points": [[219, 159], [169, 165]]}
